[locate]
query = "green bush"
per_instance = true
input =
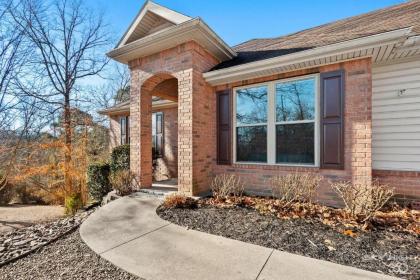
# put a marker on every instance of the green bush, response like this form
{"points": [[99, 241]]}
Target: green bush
{"points": [[73, 203], [98, 180], [120, 158]]}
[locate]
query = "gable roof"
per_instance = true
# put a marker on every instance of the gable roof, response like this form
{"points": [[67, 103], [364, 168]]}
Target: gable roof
{"points": [[151, 18], [376, 22], [157, 28]]}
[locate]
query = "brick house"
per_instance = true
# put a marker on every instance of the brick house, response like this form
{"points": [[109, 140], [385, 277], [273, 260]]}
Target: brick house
{"points": [[341, 100]]}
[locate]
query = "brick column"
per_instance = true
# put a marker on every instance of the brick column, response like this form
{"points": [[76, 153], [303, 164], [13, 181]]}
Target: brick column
{"points": [[185, 132], [358, 126], [146, 170], [140, 129]]}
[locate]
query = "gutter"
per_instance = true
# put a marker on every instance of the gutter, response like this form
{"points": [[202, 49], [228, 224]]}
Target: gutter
{"points": [[253, 68], [412, 43]]}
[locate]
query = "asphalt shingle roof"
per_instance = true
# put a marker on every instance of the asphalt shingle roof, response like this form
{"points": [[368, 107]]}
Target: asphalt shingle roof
{"points": [[379, 21]]}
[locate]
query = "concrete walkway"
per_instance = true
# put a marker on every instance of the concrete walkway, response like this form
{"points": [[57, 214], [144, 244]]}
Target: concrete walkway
{"points": [[128, 233]]}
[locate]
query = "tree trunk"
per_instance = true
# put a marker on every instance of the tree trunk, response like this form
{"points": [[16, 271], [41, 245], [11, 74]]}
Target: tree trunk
{"points": [[67, 147]]}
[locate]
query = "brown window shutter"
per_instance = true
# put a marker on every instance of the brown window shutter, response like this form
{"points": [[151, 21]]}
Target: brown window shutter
{"points": [[332, 120], [224, 127]]}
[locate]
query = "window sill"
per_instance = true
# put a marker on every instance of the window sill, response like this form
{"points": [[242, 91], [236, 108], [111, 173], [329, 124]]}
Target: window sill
{"points": [[276, 164]]}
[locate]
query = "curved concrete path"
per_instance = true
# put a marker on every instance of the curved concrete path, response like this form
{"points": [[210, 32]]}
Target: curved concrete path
{"points": [[128, 233]]}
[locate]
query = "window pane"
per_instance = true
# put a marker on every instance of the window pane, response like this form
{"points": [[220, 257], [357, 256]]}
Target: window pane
{"points": [[251, 105], [295, 143], [123, 125], [295, 100], [128, 129], [153, 124], [251, 143]]}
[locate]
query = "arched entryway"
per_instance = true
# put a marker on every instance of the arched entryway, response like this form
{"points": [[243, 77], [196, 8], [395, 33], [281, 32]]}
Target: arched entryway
{"points": [[158, 131]]}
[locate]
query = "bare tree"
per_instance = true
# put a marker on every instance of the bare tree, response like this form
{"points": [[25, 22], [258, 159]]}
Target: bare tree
{"points": [[69, 41], [13, 56], [16, 113], [114, 88]]}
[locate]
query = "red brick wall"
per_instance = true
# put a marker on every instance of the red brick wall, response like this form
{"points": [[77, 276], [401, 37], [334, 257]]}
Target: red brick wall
{"points": [[167, 166], [357, 144], [405, 183], [114, 131]]}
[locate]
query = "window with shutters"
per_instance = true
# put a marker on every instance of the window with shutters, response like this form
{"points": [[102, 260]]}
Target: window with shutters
{"points": [[277, 122], [125, 130], [157, 135]]}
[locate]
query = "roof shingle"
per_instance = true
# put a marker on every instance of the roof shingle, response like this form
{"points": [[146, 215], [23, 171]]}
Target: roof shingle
{"points": [[379, 21]]}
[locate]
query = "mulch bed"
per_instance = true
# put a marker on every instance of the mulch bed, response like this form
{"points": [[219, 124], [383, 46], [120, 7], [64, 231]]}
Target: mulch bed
{"points": [[66, 258], [389, 251]]}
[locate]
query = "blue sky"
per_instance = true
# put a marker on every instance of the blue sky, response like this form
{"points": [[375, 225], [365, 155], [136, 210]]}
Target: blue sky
{"points": [[237, 21]]}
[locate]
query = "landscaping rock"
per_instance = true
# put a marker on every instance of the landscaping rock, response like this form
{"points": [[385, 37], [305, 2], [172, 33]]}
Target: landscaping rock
{"points": [[18, 242], [66, 258], [110, 197]]}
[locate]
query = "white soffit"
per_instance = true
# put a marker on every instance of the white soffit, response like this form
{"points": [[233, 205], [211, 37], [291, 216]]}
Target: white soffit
{"points": [[381, 47], [151, 18]]}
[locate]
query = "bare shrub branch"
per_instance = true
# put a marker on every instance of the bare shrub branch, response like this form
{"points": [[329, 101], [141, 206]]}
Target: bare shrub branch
{"points": [[294, 187], [178, 200], [363, 199], [224, 185], [123, 182]]}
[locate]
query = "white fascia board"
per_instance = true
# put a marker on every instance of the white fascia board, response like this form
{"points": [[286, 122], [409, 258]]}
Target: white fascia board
{"points": [[164, 106], [167, 14], [192, 30], [236, 73], [159, 10], [126, 109], [111, 112]]}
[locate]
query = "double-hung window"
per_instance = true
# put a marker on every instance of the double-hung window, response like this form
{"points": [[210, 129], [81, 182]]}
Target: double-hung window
{"points": [[276, 122], [251, 124]]}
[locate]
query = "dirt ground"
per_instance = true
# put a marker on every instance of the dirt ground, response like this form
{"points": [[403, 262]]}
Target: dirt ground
{"points": [[18, 216]]}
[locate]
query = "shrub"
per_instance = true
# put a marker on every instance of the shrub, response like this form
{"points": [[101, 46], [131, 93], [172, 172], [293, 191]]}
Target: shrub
{"points": [[224, 185], [363, 199], [6, 191], [179, 201], [120, 158], [295, 187], [123, 182], [98, 180], [73, 203], [29, 194]]}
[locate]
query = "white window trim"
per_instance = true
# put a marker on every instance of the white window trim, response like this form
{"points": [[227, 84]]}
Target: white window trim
{"points": [[271, 122]]}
